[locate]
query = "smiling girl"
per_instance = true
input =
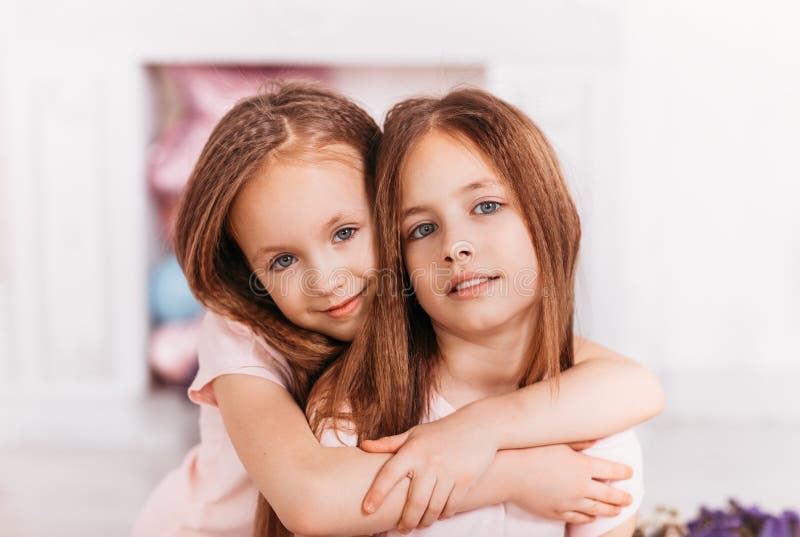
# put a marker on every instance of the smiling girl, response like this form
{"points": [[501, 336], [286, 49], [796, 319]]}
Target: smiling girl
{"points": [[275, 235], [473, 212]]}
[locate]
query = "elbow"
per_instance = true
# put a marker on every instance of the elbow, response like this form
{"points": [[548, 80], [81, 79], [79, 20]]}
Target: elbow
{"points": [[302, 521], [305, 527], [308, 515], [653, 400]]}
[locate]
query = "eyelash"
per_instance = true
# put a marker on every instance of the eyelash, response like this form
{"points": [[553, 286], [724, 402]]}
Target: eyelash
{"points": [[273, 264], [496, 204], [411, 236], [349, 228]]}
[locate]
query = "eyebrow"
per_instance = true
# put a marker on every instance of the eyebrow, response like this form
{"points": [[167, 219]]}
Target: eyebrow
{"points": [[471, 187], [342, 215], [265, 250]]}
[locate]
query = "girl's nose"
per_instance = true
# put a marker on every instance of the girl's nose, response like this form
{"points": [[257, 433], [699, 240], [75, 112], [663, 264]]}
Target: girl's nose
{"points": [[323, 281], [459, 252]]}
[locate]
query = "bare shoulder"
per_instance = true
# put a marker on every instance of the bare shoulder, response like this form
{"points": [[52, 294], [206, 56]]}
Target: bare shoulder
{"points": [[586, 348]]}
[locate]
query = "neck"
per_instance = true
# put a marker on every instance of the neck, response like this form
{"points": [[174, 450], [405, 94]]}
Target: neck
{"points": [[475, 366]]}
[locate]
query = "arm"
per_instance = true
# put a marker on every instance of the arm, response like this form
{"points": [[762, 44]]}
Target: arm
{"points": [[289, 467], [602, 394], [293, 472]]}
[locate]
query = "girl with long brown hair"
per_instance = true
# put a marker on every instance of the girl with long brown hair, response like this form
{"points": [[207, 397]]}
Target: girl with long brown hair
{"points": [[474, 217], [275, 237]]}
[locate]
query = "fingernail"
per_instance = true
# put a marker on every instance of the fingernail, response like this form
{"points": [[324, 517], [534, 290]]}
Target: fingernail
{"points": [[369, 507]]}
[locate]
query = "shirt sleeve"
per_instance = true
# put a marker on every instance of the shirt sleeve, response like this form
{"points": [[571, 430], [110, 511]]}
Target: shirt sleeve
{"points": [[623, 447], [226, 347]]}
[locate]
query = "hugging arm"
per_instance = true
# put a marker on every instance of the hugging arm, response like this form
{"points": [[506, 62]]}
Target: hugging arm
{"points": [[293, 472], [602, 394]]}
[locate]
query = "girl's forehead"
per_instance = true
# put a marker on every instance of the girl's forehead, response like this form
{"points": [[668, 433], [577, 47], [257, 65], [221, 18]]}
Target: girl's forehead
{"points": [[292, 199], [444, 164]]}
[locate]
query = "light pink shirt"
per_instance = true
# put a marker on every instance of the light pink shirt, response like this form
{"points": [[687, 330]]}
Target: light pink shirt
{"points": [[508, 520], [210, 493]]}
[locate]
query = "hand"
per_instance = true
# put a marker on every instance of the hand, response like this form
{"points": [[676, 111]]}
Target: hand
{"points": [[559, 483], [443, 458]]}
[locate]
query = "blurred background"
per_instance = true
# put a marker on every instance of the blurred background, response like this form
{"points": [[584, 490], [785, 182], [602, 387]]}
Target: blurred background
{"points": [[677, 124]]}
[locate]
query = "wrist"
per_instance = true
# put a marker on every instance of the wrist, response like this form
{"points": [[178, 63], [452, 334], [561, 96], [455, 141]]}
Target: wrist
{"points": [[485, 416], [511, 464]]}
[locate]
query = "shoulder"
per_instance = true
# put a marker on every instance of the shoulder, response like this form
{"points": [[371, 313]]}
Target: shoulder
{"points": [[584, 349], [222, 334], [229, 347]]}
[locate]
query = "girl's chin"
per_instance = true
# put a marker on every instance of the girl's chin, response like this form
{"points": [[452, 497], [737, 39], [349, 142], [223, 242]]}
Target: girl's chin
{"points": [[465, 324], [479, 320], [345, 334]]}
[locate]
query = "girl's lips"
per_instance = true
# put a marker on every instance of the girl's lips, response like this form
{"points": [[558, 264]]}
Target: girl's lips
{"points": [[346, 308], [474, 290]]}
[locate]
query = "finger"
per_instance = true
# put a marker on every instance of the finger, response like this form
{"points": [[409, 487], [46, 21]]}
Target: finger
{"points": [[456, 497], [573, 517], [439, 498], [615, 471], [606, 493], [419, 496], [387, 444], [389, 475], [580, 446], [592, 507]]}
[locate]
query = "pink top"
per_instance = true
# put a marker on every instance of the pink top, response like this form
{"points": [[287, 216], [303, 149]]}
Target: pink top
{"points": [[508, 520], [210, 493]]}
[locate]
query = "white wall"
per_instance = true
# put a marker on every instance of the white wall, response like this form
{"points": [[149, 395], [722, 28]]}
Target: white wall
{"points": [[707, 202]]}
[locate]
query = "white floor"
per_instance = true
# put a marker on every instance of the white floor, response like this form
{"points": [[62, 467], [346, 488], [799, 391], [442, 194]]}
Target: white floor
{"points": [[68, 488]]}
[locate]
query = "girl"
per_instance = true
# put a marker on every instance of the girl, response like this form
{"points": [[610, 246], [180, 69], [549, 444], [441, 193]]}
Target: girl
{"points": [[275, 237], [473, 212]]}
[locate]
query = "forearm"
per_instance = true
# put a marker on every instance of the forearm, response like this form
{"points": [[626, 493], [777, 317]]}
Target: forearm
{"points": [[340, 477], [596, 398]]}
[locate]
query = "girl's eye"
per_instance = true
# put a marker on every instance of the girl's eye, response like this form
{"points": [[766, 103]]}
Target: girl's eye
{"points": [[487, 207], [282, 262], [423, 230], [344, 234]]}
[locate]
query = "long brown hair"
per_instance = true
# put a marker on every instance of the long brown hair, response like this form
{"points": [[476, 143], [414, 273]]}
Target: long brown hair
{"points": [[385, 378], [297, 117]]}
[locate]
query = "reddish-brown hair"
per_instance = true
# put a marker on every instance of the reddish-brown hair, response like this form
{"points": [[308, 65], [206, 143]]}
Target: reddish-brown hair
{"points": [[297, 117], [386, 375]]}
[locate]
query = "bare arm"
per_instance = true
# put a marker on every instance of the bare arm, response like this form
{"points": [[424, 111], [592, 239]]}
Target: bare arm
{"points": [[604, 393], [290, 468]]}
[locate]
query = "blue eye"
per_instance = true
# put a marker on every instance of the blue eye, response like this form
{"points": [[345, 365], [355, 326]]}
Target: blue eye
{"points": [[282, 262], [423, 230], [487, 207], [344, 234]]}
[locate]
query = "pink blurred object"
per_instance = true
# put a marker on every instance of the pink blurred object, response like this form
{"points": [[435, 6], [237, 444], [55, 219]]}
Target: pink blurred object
{"points": [[167, 216], [173, 350], [202, 96]]}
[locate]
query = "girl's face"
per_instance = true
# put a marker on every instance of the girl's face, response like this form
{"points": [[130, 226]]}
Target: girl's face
{"points": [[466, 247], [304, 226]]}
